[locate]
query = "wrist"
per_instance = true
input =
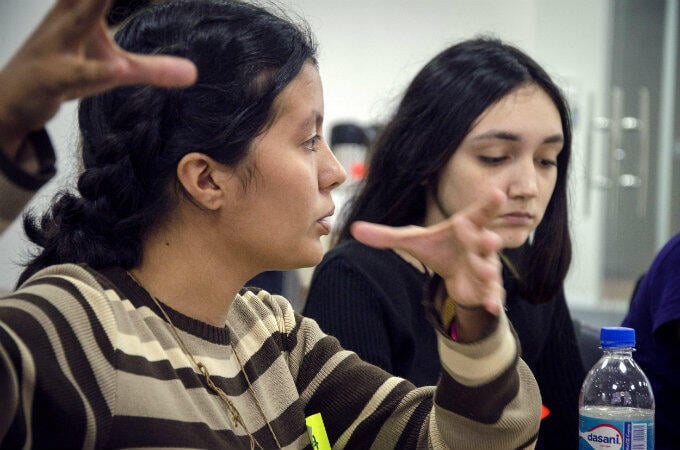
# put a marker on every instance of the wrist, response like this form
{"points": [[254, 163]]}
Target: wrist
{"points": [[34, 163], [473, 326], [466, 324], [10, 147], [12, 129], [11, 135], [470, 323]]}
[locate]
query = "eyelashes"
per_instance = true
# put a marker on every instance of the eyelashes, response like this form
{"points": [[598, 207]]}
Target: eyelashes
{"points": [[311, 144], [492, 160], [498, 160]]}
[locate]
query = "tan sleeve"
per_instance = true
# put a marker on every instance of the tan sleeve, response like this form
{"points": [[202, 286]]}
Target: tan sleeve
{"points": [[486, 389]]}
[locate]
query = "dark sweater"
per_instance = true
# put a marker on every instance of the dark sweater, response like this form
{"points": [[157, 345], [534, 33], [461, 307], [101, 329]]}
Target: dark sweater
{"points": [[370, 300]]}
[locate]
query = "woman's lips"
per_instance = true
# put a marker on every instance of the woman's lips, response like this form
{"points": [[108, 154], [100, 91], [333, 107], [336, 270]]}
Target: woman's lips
{"points": [[518, 219], [325, 224], [325, 221]]}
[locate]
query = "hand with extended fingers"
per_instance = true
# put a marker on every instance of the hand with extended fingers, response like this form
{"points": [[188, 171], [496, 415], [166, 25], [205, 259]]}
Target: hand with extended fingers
{"points": [[70, 55], [462, 251]]}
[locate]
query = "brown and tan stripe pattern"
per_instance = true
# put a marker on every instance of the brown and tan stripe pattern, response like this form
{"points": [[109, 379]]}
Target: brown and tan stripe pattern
{"points": [[86, 360]]}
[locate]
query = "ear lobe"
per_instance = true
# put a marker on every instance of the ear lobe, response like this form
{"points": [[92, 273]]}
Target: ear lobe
{"points": [[195, 172]]}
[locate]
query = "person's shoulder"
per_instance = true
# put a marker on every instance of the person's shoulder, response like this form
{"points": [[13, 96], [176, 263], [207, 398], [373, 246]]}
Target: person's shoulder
{"points": [[670, 251], [352, 253], [664, 267], [69, 276], [352, 248], [75, 297], [254, 305]]}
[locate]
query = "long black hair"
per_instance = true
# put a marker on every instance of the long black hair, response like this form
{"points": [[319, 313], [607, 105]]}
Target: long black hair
{"points": [[434, 116], [134, 137]]}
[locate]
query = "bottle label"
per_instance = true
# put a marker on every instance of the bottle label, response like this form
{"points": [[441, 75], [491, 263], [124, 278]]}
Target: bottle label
{"points": [[600, 434]]}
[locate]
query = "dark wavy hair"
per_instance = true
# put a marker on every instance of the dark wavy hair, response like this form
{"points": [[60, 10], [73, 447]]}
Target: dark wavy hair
{"points": [[434, 116], [134, 137]]}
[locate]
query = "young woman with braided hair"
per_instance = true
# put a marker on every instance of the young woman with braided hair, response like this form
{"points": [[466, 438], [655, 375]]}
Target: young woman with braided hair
{"points": [[130, 328]]}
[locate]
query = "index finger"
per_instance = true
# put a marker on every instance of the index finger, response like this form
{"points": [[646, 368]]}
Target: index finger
{"points": [[383, 236], [158, 70]]}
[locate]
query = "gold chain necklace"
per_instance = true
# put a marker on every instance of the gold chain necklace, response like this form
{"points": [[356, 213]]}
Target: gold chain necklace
{"points": [[236, 418]]}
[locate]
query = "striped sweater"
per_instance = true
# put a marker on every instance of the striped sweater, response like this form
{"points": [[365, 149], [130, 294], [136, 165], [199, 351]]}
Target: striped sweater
{"points": [[87, 360]]}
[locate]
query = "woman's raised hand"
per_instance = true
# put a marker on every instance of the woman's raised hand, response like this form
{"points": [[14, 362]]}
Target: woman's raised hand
{"points": [[460, 249], [70, 55]]}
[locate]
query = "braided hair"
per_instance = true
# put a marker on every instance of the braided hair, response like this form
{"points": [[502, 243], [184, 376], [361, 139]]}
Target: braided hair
{"points": [[134, 137]]}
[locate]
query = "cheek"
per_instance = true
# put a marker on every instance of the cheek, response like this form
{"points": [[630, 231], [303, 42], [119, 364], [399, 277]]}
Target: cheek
{"points": [[473, 184], [459, 195], [544, 199], [295, 197], [288, 180], [546, 191]]}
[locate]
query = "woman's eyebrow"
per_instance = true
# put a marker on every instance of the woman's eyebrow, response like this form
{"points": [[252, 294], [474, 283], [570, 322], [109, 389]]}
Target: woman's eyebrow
{"points": [[554, 139], [507, 136], [496, 134], [314, 119]]}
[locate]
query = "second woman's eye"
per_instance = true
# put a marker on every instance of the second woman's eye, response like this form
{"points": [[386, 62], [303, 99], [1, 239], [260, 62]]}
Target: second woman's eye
{"points": [[492, 160], [548, 162], [312, 143]]}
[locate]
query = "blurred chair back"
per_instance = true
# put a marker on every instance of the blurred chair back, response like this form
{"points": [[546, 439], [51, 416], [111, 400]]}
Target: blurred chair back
{"points": [[588, 338]]}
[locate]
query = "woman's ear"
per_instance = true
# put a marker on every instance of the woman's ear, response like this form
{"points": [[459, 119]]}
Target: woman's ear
{"points": [[197, 173]]}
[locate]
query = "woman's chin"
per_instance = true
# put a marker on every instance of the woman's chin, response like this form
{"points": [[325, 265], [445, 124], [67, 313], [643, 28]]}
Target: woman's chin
{"points": [[309, 257], [514, 240]]}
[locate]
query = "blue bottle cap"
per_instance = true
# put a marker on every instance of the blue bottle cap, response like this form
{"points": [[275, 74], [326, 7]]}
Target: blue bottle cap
{"points": [[617, 337]]}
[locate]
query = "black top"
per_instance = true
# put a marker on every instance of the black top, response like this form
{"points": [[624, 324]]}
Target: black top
{"points": [[370, 299]]}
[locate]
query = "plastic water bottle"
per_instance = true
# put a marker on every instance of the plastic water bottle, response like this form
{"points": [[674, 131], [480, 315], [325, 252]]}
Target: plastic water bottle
{"points": [[616, 405]]}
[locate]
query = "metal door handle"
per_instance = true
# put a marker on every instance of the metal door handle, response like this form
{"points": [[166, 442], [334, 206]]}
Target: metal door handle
{"points": [[616, 153], [616, 125], [628, 180], [643, 128]]}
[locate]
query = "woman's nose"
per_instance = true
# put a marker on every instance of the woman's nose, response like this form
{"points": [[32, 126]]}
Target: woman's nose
{"points": [[331, 172], [523, 181]]}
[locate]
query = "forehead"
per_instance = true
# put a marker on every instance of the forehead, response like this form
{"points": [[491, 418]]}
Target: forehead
{"points": [[527, 108], [302, 98]]}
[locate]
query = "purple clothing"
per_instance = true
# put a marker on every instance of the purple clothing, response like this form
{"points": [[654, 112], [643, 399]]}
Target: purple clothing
{"points": [[654, 314]]}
